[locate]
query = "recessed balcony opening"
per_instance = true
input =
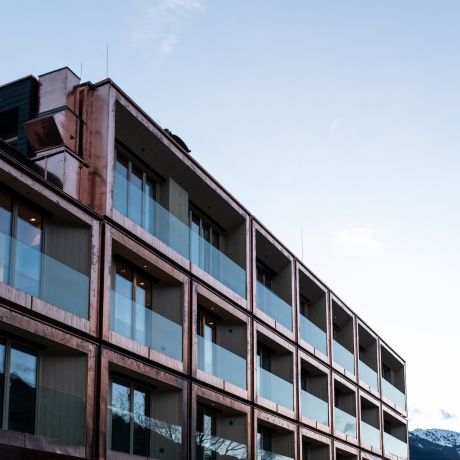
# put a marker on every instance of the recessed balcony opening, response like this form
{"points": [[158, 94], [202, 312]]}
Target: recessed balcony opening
{"points": [[345, 409], [313, 313], [160, 192], [314, 394], [274, 282], [370, 424], [274, 442], [221, 343], [393, 378], [274, 372], [43, 389], [221, 432], [344, 455], [315, 450], [344, 338], [144, 418], [47, 256], [146, 306], [394, 436], [368, 358]]}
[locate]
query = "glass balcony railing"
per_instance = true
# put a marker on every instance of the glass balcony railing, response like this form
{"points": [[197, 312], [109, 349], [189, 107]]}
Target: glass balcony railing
{"points": [[30, 270], [370, 435], [157, 220], [390, 392], [368, 375], [220, 362], [344, 422], [314, 408], [343, 357], [275, 389], [61, 416], [275, 307], [145, 326], [155, 438], [215, 447], [266, 455], [217, 264], [313, 335], [394, 446]]}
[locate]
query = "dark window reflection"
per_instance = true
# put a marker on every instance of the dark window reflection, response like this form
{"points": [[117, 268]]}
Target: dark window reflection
{"points": [[23, 391], [2, 378], [121, 417]]}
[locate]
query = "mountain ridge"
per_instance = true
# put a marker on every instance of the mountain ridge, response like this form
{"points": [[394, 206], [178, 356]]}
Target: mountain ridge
{"points": [[434, 444]]}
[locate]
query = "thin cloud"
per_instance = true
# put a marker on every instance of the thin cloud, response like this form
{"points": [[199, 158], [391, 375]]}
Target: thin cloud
{"points": [[162, 24], [447, 415], [357, 238]]}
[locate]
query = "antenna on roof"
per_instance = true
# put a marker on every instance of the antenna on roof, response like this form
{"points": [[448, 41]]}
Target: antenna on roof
{"points": [[107, 62]]}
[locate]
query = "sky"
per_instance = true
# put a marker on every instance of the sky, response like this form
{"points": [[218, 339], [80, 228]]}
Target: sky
{"points": [[335, 119]]}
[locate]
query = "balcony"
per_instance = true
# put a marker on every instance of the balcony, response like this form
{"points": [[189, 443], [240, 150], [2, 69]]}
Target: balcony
{"points": [[44, 392], [370, 424], [46, 258], [147, 310], [312, 449], [344, 338], [393, 379], [313, 313], [273, 282], [174, 203], [368, 363], [314, 394], [395, 436], [221, 432], [274, 443], [143, 421], [344, 410], [274, 369]]}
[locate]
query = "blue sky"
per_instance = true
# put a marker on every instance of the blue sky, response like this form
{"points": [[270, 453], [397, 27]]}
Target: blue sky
{"points": [[340, 118]]}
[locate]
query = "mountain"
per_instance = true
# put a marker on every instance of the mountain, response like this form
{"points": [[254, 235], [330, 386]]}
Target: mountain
{"points": [[434, 444]]}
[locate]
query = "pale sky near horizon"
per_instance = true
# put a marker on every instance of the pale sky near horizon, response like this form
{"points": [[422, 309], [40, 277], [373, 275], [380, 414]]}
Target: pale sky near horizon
{"points": [[338, 117]]}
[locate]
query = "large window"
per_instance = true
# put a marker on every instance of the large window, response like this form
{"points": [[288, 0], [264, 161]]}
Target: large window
{"points": [[144, 420], [134, 193], [206, 436]]}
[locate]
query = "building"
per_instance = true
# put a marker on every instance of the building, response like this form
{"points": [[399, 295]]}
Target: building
{"points": [[145, 313]]}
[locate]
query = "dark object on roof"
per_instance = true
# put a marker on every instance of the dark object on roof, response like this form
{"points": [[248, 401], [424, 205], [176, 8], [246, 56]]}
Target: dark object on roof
{"points": [[178, 140]]}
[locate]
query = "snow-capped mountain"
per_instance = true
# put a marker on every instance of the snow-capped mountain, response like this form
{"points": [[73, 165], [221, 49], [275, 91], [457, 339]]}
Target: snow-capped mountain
{"points": [[434, 444]]}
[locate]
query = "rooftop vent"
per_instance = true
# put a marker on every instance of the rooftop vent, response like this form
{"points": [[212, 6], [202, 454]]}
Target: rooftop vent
{"points": [[178, 140]]}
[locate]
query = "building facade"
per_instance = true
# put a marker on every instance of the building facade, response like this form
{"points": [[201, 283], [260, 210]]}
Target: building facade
{"points": [[145, 313]]}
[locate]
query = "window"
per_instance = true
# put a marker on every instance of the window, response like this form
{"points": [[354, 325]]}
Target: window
{"points": [[18, 369], [206, 426], [20, 245], [264, 439], [134, 193], [130, 411], [264, 358], [134, 301], [265, 275], [208, 330]]}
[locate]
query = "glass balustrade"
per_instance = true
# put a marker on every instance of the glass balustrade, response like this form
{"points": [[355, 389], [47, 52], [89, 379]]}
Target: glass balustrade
{"points": [[394, 446], [217, 264], [220, 362], [314, 408], [344, 422], [31, 270], [390, 392], [370, 435], [155, 438], [368, 375], [313, 335], [177, 234], [216, 447], [266, 455], [60, 415], [145, 326], [272, 305], [275, 389], [343, 357]]}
